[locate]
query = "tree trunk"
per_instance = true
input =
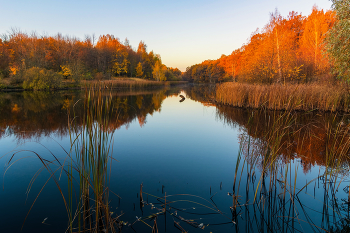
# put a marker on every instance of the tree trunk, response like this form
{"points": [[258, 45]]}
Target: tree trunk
{"points": [[278, 58], [316, 46]]}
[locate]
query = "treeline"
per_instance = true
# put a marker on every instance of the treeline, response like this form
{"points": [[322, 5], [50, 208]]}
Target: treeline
{"points": [[76, 59], [287, 49], [206, 72]]}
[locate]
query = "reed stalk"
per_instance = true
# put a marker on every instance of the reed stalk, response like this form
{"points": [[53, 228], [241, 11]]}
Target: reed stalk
{"points": [[91, 158]]}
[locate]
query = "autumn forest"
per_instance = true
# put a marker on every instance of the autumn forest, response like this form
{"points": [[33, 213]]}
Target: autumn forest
{"points": [[79, 60], [98, 134], [287, 49]]}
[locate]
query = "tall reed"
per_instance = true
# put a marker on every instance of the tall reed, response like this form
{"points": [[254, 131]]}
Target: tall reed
{"points": [[273, 200], [284, 97], [91, 160]]}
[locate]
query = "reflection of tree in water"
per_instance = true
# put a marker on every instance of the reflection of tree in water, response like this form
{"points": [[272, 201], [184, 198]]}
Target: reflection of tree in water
{"points": [[310, 137], [28, 115], [129, 108], [270, 140], [204, 94], [32, 114]]}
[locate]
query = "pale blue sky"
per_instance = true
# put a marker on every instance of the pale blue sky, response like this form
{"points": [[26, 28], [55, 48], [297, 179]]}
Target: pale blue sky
{"points": [[184, 33]]}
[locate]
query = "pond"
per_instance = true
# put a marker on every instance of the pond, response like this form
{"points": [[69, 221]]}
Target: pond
{"points": [[188, 166]]}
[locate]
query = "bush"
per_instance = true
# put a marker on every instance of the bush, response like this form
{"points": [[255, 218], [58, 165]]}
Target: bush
{"points": [[37, 78], [88, 76]]}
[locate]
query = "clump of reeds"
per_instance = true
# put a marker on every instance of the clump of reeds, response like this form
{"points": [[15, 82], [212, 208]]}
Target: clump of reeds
{"points": [[283, 97], [91, 158], [273, 180], [87, 167]]}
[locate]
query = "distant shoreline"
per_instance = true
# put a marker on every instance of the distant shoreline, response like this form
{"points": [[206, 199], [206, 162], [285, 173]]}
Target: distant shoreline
{"points": [[114, 84]]}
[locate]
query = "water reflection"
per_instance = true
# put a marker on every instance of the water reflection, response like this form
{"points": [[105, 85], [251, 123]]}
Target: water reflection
{"points": [[268, 195], [29, 115], [311, 136], [263, 181]]}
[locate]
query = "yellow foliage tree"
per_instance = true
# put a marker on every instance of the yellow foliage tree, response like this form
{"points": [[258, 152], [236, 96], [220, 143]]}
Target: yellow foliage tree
{"points": [[121, 62], [139, 72], [13, 70], [66, 71], [159, 71]]}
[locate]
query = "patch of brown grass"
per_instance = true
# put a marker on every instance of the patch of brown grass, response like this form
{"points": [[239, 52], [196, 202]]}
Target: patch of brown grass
{"points": [[284, 97], [132, 83]]}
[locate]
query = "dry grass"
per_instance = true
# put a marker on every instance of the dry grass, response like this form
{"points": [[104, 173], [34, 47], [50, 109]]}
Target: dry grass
{"points": [[291, 96], [132, 83]]}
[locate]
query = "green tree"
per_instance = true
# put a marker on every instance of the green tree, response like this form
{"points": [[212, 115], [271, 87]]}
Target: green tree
{"points": [[337, 41], [37, 79]]}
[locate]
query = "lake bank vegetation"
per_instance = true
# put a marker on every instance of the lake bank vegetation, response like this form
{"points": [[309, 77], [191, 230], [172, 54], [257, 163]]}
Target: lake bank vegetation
{"points": [[334, 98], [131, 83], [299, 61], [27, 60]]}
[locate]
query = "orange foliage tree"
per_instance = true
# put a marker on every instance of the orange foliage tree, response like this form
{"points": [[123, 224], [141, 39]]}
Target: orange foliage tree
{"points": [[287, 49], [312, 44]]}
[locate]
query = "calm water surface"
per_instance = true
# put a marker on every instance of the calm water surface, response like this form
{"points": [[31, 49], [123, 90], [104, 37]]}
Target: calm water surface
{"points": [[172, 148]]}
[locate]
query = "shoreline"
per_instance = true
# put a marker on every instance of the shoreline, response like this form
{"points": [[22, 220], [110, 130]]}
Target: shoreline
{"points": [[107, 84], [299, 97]]}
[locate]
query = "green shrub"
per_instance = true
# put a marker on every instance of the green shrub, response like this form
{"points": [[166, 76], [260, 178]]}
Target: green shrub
{"points": [[88, 76], [5, 73], [37, 79]]}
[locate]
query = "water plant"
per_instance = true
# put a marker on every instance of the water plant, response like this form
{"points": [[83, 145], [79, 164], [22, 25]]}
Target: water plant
{"points": [[334, 98], [271, 201], [91, 160]]}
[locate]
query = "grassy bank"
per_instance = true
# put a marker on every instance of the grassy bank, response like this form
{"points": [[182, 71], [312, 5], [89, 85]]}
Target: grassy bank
{"points": [[114, 83], [131, 83], [282, 97]]}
